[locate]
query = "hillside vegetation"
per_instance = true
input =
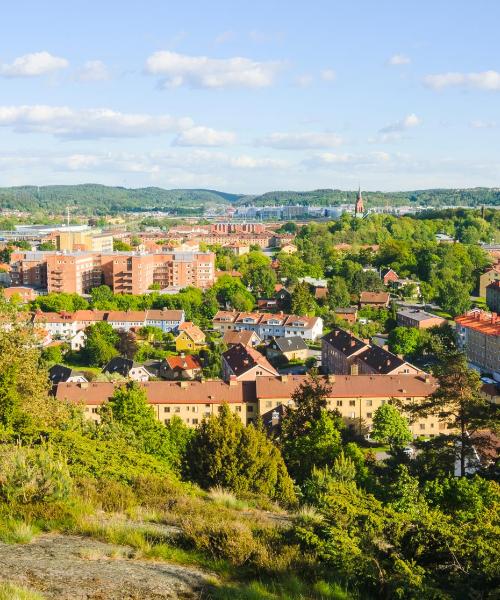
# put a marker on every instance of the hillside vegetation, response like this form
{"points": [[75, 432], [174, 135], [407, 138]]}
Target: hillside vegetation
{"points": [[101, 199]]}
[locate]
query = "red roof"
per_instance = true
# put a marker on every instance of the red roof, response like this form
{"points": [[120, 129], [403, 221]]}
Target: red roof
{"points": [[185, 363], [488, 324]]}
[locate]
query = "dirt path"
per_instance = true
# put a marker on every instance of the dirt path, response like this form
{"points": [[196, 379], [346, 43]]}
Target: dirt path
{"points": [[77, 568]]}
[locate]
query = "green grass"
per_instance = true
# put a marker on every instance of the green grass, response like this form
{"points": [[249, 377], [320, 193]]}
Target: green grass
{"points": [[9, 591], [80, 367], [16, 532]]}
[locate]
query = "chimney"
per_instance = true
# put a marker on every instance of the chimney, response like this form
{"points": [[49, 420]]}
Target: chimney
{"points": [[354, 370], [331, 378], [427, 378], [284, 378], [184, 385], [183, 355], [84, 385]]}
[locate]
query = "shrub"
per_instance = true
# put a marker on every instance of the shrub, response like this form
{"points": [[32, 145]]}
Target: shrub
{"points": [[32, 475]]}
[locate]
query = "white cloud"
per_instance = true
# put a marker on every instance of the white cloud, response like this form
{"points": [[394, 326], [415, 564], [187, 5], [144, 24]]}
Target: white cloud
{"points": [[66, 122], [399, 59], [225, 37], [486, 80], [480, 124], [32, 65], [299, 141], [402, 125], [204, 136], [326, 159], [94, 70], [304, 80], [202, 71], [328, 75]]}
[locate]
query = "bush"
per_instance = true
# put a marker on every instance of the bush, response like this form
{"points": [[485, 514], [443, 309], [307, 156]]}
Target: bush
{"points": [[32, 475]]}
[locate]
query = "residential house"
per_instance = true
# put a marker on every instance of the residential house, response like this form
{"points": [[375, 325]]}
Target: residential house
{"points": [[420, 319], [349, 314], [489, 276], [389, 276], [291, 348], [374, 299], [288, 248], [77, 342], [24, 294], [190, 338], [167, 320], [246, 338], [245, 364], [62, 373], [128, 368], [184, 366]]}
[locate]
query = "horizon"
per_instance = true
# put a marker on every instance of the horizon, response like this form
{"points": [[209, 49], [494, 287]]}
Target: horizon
{"points": [[262, 97]]}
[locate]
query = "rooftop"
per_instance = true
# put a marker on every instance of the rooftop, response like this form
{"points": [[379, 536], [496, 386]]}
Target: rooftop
{"points": [[485, 323], [417, 314], [241, 359]]}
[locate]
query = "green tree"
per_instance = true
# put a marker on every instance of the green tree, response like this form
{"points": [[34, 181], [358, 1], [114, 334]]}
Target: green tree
{"points": [[338, 294], [454, 296], [303, 302], [100, 346], [102, 298], [225, 452], [390, 427], [405, 340], [119, 246]]}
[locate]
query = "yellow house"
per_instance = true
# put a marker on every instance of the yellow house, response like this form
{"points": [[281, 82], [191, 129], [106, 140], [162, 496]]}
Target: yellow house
{"points": [[191, 338]]}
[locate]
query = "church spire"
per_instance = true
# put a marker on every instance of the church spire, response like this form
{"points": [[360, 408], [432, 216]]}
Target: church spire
{"points": [[359, 207]]}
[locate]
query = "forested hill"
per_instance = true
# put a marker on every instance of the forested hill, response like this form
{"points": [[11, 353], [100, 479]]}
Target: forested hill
{"points": [[101, 199], [432, 197]]}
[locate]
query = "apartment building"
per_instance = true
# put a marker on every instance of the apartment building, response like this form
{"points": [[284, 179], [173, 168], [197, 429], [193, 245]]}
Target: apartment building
{"points": [[66, 325], [71, 241], [343, 353], [268, 325], [420, 319], [355, 397], [478, 335], [493, 296], [124, 272], [227, 228]]}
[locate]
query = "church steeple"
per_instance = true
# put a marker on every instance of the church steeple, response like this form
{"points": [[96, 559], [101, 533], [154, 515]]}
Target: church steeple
{"points": [[359, 208]]}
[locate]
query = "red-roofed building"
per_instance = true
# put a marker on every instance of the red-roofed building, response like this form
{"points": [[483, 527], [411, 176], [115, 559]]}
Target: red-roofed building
{"points": [[243, 363], [184, 366]]}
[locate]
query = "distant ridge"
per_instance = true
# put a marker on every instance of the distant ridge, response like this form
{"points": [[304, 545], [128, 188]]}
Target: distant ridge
{"points": [[101, 199]]}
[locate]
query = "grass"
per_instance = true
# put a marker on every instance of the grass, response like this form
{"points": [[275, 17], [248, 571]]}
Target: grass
{"points": [[82, 367], [16, 532], [219, 495], [9, 591]]}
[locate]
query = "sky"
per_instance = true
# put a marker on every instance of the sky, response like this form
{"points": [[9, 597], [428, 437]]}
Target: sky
{"points": [[248, 97]]}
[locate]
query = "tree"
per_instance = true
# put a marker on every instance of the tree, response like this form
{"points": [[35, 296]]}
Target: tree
{"points": [[57, 302], [303, 302], [405, 340], [454, 296], [100, 346], [458, 402], [102, 298], [127, 344], [225, 452], [52, 354], [119, 246], [257, 273], [338, 294], [390, 427]]}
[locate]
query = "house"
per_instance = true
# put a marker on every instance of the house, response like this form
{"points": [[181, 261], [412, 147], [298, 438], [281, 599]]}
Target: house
{"points": [[342, 353], [269, 304], [246, 338], [489, 276], [288, 249], [126, 367], [493, 296], [184, 366], [291, 348], [374, 299], [420, 319], [349, 314], [77, 342], [243, 363], [268, 325], [62, 373], [389, 276], [166, 319], [25, 294], [238, 249], [408, 287], [190, 338]]}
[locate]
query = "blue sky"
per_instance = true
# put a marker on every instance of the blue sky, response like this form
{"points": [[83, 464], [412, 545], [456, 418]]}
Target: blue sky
{"points": [[251, 96]]}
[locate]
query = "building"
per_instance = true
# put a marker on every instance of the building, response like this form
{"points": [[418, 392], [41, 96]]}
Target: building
{"points": [[493, 296], [190, 338], [342, 353], [227, 228], [24, 294], [28, 269], [62, 373], [356, 398], [184, 366], [128, 368], [269, 325], [66, 325], [389, 276], [73, 273], [246, 338], [489, 276], [349, 314], [238, 249], [420, 319], [359, 208], [374, 299], [245, 364], [291, 348], [90, 240], [478, 335], [288, 248]]}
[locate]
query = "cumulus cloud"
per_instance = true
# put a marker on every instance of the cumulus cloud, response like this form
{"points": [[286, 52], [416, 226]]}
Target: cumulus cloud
{"points": [[299, 141], [33, 65], [204, 136], [399, 59], [407, 123], [66, 122], [94, 70], [480, 124], [485, 80], [201, 71], [328, 75]]}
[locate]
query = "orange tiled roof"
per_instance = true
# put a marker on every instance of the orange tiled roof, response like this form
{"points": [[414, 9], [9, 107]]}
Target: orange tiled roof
{"points": [[482, 322]]}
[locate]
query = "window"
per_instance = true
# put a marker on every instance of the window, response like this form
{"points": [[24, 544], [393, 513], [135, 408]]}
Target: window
{"points": [[422, 426], [352, 402], [194, 421], [166, 409], [194, 409], [238, 409], [166, 421], [177, 409], [368, 415], [339, 402], [94, 411], [408, 399], [249, 408], [352, 415]]}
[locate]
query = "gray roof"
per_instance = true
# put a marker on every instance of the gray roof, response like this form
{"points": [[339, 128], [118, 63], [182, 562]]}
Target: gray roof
{"points": [[290, 344], [416, 314]]}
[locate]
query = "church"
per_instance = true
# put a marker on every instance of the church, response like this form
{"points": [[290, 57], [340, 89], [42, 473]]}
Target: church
{"points": [[359, 209]]}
